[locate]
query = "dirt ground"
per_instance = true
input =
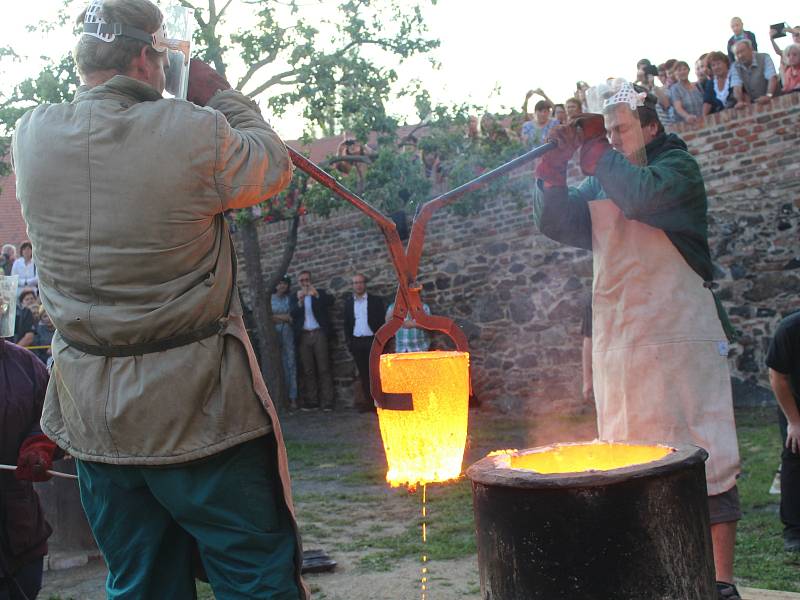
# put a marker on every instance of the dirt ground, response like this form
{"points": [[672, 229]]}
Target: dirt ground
{"points": [[345, 507]]}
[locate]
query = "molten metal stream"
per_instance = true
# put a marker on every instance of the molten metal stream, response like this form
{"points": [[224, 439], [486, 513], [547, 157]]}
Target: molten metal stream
{"points": [[424, 570]]}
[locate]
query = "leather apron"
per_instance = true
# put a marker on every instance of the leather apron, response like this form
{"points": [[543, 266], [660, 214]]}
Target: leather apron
{"points": [[659, 353]]}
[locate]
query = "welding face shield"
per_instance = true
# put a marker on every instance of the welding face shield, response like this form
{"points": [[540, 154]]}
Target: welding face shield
{"points": [[618, 102], [173, 37], [8, 305]]}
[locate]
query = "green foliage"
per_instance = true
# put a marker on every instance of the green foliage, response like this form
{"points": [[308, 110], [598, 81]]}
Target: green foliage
{"points": [[332, 68], [463, 156], [393, 180], [55, 83]]}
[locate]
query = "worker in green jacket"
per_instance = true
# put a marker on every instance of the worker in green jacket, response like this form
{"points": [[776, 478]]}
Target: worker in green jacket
{"points": [[659, 339]]}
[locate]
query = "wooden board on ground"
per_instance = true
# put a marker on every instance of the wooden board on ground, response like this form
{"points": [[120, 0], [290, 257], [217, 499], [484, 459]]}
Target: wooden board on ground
{"points": [[754, 594]]}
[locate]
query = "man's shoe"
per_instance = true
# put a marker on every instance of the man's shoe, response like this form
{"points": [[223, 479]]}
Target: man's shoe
{"points": [[727, 591], [327, 409], [308, 408], [791, 544]]}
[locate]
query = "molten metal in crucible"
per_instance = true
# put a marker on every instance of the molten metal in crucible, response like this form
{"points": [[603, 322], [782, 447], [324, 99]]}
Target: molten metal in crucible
{"points": [[422, 398]]}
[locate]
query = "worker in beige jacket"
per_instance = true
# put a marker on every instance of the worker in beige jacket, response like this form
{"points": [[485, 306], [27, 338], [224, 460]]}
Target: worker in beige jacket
{"points": [[155, 389]]}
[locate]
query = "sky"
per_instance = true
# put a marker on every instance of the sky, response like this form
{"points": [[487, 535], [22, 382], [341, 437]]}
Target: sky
{"points": [[493, 51]]}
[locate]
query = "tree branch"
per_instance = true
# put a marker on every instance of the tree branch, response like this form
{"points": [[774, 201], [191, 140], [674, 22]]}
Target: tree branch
{"points": [[274, 80], [286, 257], [222, 10], [255, 67], [197, 16]]}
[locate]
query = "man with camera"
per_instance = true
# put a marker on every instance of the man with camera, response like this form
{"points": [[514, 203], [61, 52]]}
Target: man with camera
{"points": [[155, 388]]}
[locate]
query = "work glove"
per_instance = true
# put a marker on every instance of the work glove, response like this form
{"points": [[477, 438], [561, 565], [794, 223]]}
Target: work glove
{"points": [[552, 168], [592, 130], [590, 126], [35, 458], [204, 82]]}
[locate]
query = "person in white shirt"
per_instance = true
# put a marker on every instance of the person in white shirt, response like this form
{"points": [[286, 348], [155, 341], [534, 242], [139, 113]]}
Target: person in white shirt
{"points": [[25, 268], [363, 316]]}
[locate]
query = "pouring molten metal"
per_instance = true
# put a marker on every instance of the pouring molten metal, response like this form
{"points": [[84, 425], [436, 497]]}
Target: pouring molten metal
{"points": [[426, 444]]}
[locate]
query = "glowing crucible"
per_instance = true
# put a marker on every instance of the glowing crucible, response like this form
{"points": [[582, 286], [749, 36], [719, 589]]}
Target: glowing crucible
{"points": [[426, 444]]}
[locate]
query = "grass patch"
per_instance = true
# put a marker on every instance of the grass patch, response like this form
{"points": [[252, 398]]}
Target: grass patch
{"points": [[395, 533], [450, 530], [760, 559]]}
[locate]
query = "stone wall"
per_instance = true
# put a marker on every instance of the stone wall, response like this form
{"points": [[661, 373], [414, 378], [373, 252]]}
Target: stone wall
{"points": [[519, 296], [751, 165]]}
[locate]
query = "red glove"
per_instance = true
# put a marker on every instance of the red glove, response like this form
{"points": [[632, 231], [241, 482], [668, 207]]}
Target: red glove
{"points": [[204, 82], [590, 126], [591, 151], [592, 131], [552, 168], [35, 458]]}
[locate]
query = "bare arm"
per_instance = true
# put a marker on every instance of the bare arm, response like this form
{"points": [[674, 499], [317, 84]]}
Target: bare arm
{"points": [[772, 86], [26, 340], [783, 393], [682, 112], [741, 97], [774, 45]]}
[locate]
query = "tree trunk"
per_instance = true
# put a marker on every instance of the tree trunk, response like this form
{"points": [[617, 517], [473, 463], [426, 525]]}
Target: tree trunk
{"points": [[261, 305]]}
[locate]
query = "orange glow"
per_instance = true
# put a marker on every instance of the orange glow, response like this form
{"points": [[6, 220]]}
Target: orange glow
{"points": [[582, 457], [426, 444]]}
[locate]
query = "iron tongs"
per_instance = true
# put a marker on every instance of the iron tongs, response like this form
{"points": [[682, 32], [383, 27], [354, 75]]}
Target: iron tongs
{"points": [[406, 264]]}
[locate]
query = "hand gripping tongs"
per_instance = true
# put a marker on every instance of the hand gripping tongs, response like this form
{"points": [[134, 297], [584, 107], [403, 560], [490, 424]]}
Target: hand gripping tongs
{"points": [[406, 264]]}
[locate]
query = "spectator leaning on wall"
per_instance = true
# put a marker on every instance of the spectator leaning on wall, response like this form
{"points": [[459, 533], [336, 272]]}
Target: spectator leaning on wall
{"points": [[719, 92], [753, 75], [685, 97], [790, 76]]}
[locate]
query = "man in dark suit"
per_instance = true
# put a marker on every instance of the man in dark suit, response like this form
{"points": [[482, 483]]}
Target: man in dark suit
{"points": [[363, 315], [312, 325]]}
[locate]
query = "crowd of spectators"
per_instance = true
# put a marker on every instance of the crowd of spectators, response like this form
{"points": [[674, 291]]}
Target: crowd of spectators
{"points": [[734, 78], [303, 321], [32, 326]]}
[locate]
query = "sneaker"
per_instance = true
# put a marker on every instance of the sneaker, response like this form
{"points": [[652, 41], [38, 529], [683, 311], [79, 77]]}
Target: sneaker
{"points": [[791, 544], [727, 591], [308, 408], [327, 409]]}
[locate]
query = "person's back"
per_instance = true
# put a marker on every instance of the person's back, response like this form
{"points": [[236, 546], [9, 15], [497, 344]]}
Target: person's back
{"points": [[128, 227], [143, 199], [123, 193]]}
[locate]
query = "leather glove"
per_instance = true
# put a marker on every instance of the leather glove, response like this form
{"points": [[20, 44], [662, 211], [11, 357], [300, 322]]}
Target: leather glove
{"points": [[590, 126], [35, 458], [552, 168], [591, 151], [204, 82], [592, 130]]}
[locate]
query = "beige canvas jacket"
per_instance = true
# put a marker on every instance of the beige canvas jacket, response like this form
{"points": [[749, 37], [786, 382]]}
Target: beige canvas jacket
{"points": [[123, 194]]}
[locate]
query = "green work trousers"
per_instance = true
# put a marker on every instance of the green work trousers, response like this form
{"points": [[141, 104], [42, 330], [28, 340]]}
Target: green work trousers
{"points": [[145, 521]]}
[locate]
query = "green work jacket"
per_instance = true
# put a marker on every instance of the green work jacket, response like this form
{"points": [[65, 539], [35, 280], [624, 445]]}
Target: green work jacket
{"points": [[668, 193]]}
